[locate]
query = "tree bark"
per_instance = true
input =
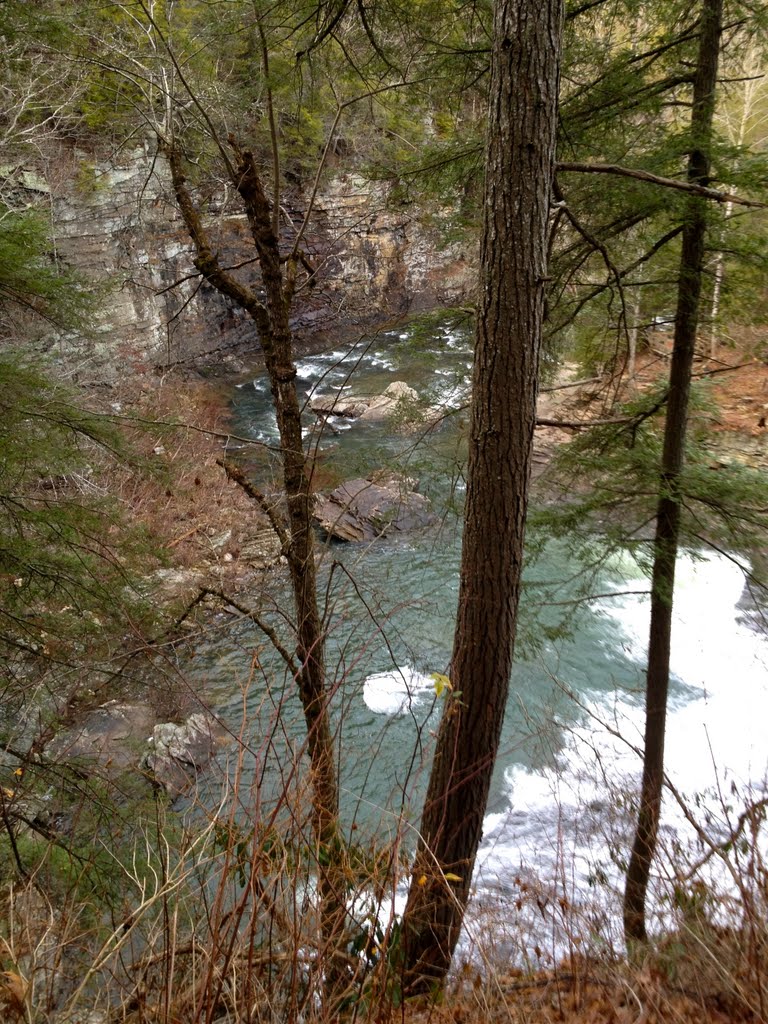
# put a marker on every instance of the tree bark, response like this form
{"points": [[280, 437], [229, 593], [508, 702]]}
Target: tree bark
{"points": [[271, 317], [520, 154], [666, 539]]}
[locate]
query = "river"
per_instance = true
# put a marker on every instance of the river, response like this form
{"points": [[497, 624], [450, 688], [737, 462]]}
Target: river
{"points": [[557, 825]]}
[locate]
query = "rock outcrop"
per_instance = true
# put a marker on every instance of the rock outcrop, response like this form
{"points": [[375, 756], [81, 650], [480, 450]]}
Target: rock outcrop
{"points": [[364, 509], [118, 736], [113, 735], [397, 400], [116, 220], [180, 751]]}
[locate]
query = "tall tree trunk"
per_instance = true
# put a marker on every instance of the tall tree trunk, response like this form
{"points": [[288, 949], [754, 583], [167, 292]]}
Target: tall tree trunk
{"points": [[632, 337], [752, 68], [666, 540], [519, 170], [271, 318]]}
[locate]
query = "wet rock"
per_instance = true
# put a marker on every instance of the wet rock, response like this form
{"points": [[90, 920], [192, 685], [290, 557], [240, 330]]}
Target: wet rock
{"points": [[339, 404], [180, 751], [113, 734], [398, 400], [116, 736], [364, 509]]}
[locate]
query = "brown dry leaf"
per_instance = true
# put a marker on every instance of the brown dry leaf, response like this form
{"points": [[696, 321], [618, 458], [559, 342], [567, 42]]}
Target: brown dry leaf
{"points": [[13, 993]]}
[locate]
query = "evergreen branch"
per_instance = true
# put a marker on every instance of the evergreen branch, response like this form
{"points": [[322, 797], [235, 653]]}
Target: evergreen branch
{"points": [[180, 425], [655, 179], [589, 5], [373, 40], [586, 598], [190, 92], [629, 101], [584, 424], [342, 107], [599, 288], [572, 384], [598, 246], [724, 369], [649, 56], [325, 30], [614, 228], [633, 422]]}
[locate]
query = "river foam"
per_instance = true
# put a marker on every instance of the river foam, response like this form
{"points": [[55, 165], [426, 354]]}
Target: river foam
{"points": [[395, 692], [557, 851], [551, 864]]}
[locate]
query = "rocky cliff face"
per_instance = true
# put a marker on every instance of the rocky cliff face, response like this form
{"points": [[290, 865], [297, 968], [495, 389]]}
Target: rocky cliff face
{"points": [[116, 220]]}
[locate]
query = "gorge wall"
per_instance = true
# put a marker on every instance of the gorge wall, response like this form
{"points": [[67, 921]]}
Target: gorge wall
{"points": [[115, 220]]}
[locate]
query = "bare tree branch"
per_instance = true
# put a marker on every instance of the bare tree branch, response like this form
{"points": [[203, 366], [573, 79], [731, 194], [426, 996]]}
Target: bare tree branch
{"points": [[656, 179]]}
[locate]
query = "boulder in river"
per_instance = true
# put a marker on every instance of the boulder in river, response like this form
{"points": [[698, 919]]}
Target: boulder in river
{"points": [[364, 509], [115, 735], [180, 751], [398, 399], [109, 735]]}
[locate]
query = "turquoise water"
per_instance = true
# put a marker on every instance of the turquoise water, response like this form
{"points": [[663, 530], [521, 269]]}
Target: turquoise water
{"points": [[390, 605], [569, 752]]}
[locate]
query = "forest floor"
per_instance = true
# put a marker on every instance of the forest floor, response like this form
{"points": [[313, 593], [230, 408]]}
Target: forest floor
{"points": [[739, 381]]}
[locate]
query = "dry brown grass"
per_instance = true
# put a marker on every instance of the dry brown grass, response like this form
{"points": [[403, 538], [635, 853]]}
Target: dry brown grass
{"points": [[176, 490], [591, 992]]}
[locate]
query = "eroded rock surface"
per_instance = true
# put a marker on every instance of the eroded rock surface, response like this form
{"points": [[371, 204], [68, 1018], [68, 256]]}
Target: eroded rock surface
{"points": [[364, 509], [398, 400], [114, 734], [118, 736], [181, 751], [115, 218]]}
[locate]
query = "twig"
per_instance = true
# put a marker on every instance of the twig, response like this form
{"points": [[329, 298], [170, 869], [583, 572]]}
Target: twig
{"points": [[249, 613], [236, 474]]}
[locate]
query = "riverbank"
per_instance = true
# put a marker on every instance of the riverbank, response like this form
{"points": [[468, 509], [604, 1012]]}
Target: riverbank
{"points": [[204, 524], [212, 536]]}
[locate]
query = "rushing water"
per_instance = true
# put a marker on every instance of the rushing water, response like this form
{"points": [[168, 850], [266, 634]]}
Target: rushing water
{"points": [[555, 823]]}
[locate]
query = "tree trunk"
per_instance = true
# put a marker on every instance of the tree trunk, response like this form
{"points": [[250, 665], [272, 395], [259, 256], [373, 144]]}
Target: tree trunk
{"points": [[666, 540], [272, 321], [278, 356], [752, 68], [632, 337], [519, 171]]}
